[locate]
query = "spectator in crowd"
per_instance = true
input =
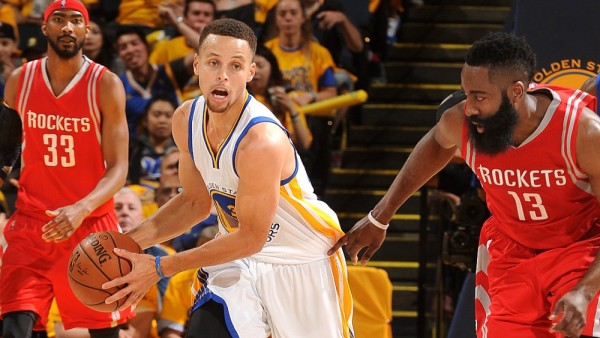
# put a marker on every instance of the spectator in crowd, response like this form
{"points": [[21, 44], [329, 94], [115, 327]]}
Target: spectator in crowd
{"points": [[269, 88], [309, 69], [144, 14], [242, 10], [145, 152], [8, 54], [169, 166], [178, 52], [142, 80], [197, 14], [99, 49]]}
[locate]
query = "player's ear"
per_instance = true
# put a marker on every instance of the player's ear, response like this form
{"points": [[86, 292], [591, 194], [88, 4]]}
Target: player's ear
{"points": [[252, 72], [195, 63], [517, 91]]}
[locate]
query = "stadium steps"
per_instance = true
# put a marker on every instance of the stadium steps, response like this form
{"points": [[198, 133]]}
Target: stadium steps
{"points": [[422, 68]]}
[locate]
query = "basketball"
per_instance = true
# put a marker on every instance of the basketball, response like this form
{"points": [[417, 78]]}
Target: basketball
{"points": [[94, 263]]}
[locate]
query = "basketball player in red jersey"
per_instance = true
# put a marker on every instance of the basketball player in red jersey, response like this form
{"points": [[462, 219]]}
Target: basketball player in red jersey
{"points": [[74, 159], [536, 156]]}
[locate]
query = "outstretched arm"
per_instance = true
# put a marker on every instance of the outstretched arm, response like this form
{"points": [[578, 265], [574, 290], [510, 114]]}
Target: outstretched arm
{"points": [[574, 304], [430, 155]]}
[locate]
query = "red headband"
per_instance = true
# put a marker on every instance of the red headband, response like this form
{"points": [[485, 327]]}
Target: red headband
{"points": [[74, 5]]}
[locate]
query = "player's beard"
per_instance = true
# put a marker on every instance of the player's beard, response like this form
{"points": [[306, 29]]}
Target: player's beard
{"points": [[216, 109], [498, 129], [65, 53]]}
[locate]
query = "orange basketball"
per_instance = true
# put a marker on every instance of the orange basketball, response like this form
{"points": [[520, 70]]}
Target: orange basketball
{"points": [[94, 263]]}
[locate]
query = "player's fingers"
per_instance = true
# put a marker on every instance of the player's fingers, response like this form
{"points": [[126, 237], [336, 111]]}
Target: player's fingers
{"points": [[352, 251], [131, 300], [66, 234], [115, 283], [557, 310], [125, 254], [52, 213], [117, 295], [338, 245], [368, 254]]}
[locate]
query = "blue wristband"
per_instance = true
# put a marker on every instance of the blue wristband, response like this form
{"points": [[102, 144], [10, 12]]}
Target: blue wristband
{"points": [[158, 268]]}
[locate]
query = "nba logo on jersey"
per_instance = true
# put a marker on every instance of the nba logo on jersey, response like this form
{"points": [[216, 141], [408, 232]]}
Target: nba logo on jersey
{"points": [[225, 205]]}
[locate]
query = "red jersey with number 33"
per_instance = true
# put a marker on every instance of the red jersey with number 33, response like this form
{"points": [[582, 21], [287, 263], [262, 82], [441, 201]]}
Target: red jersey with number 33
{"points": [[536, 192], [62, 158]]}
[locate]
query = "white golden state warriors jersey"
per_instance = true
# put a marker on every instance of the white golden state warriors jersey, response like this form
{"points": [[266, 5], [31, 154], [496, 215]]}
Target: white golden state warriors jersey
{"points": [[303, 229]]}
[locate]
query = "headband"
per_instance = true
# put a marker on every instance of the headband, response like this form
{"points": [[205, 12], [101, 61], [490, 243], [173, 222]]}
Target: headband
{"points": [[74, 5]]}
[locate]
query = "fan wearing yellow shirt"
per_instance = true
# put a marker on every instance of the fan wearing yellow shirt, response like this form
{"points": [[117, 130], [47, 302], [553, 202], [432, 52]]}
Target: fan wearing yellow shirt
{"points": [[196, 15]]}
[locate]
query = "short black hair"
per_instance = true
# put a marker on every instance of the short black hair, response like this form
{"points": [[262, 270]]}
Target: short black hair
{"points": [[126, 30], [229, 27], [160, 96], [503, 52]]}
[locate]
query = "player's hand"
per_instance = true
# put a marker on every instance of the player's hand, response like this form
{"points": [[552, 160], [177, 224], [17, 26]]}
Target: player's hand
{"points": [[573, 307], [136, 283], [64, 223], [362, 235]]}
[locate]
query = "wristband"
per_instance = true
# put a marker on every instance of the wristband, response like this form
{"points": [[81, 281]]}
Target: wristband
{"points": [[376, 222], [313, 97], [158, 268]]}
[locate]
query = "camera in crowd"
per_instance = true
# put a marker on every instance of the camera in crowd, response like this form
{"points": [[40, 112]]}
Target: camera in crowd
{"points": [[462, 220]]}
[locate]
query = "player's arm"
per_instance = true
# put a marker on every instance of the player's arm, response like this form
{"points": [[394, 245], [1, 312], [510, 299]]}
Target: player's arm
{"points": [[575, 303], [259, 163], [181, 212], [255, 206], [11, 132], [187, 208], [114, 137], [430, 155]]}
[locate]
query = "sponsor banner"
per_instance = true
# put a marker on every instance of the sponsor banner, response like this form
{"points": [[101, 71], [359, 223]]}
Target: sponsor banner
{"points": [[565, 36]]}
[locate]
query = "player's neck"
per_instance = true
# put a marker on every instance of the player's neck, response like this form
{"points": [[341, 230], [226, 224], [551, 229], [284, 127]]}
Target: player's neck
{"points": [[535, 108], [61, 71], [222, 122]]}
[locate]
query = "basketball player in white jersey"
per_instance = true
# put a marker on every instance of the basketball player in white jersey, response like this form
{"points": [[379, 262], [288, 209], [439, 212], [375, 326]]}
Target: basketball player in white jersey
{"points": [[268, 272]]}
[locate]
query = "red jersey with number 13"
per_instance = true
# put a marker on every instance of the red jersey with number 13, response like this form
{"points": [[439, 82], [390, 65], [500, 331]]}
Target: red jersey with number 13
{"points": [[536, 192], [62, 158]]}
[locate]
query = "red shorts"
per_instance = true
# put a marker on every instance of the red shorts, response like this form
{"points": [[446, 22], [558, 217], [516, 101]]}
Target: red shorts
{"points": [[34, 271], [517, 287]]}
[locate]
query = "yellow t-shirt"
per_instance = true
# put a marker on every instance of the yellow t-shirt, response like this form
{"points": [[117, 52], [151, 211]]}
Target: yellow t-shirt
{"points": [[140, 12], [178, 299], [262, 8], [166, 51], [300, 69]]}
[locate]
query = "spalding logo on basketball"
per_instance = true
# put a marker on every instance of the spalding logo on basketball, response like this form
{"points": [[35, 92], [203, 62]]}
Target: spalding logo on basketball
{"points": [[94, 263]]}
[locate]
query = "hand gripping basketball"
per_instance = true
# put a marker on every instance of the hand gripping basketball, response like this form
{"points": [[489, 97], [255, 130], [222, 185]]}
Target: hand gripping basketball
{"points": [[134, 285], [93, 263]]}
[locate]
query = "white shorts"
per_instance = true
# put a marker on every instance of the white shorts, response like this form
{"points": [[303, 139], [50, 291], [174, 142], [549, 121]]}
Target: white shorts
{"points": [[300, 300]]}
